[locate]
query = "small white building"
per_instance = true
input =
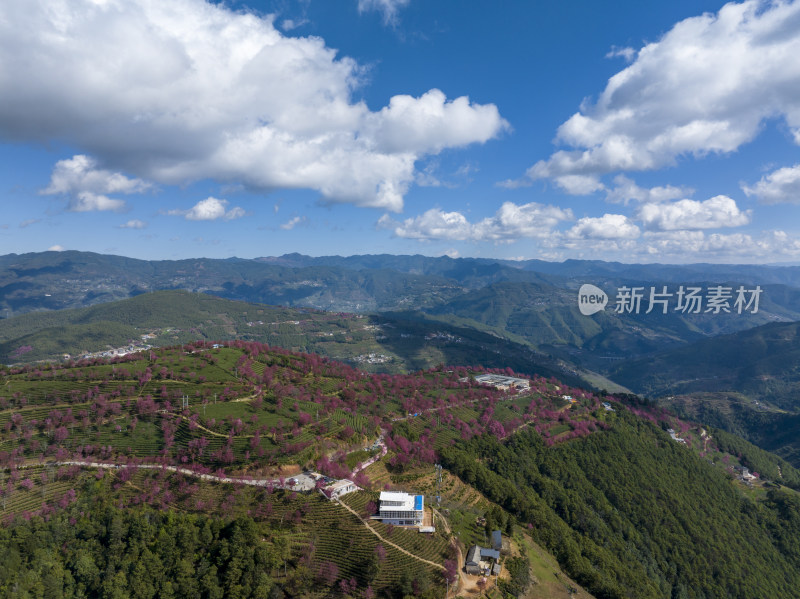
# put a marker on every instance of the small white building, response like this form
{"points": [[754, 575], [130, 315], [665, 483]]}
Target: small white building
{"points": [[675, 436], [401, 509], [744, 473], [341, 487]]}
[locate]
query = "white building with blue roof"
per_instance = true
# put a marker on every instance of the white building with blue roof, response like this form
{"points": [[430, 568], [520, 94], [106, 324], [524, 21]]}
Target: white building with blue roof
{"points": [[401, 509]]}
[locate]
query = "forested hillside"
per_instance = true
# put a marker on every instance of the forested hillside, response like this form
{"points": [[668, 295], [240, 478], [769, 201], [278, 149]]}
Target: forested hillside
{"points": [[761, 363], [631, 513], [213, 436], [746, 383]]}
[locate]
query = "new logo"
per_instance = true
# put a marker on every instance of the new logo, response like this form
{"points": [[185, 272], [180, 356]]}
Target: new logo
{"points": [[591, 299]]}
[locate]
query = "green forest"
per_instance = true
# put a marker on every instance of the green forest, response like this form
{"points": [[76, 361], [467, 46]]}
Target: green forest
{"points": [[632, 514]]}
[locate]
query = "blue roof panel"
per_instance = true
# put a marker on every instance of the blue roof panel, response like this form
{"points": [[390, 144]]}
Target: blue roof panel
{"points": [[418, 502]]}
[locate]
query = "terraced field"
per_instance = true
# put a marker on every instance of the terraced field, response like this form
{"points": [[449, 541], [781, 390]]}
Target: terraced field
{"points": [[247, 408]]}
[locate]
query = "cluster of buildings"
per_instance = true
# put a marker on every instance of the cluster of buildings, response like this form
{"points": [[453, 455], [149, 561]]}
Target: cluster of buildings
{"points": [[404, 509], [330, 487], [372, 359], [111, 353], [442, 337], [744, 474], [485, 561], [504, 383]]}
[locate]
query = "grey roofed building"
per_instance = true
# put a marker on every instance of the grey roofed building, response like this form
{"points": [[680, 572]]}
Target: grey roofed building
{"points": [[492, 553], [473, 563], [499, 381], [341, 487], [497, 540], [476, 559]]}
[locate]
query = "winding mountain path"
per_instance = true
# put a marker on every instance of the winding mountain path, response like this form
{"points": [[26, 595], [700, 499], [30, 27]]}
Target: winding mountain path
{"points": [[463, 581], [262, 482], [377, 534], [253, 482]]}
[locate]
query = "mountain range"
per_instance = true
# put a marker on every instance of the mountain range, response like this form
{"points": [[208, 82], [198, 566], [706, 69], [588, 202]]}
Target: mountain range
{"points": [[421, 311], [617, 489]]}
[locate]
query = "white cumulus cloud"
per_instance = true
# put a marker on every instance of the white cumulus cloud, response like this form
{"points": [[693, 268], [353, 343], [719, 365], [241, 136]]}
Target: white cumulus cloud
{"points": [[705, 87], [179, 91], [782, 185], [88, 201], [734, 247], [627, 53], [579, 184], [87, 186], [210, 209], [625, 190], [289, 24], [432, 224], [431, 123], [293, 222], [719, 211], [80, 173], [608, 226], [510, 222]]}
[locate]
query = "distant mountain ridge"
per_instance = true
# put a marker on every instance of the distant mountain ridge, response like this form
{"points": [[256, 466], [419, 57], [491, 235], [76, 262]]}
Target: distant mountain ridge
{"points": [[390, 342], [58, 280], [746, 382], [524, 311], [508, 298], [571, 268]]}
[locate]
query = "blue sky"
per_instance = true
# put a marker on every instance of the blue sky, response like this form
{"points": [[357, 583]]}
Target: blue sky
{"points": [[629, 131]]}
